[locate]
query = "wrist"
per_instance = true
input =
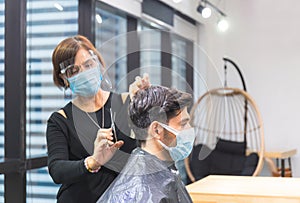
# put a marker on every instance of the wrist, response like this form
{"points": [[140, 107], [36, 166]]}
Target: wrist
{"points": [[91, 164]]}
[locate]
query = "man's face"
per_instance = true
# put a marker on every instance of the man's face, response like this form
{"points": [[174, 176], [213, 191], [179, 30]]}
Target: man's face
{"points": [[180, 122]]}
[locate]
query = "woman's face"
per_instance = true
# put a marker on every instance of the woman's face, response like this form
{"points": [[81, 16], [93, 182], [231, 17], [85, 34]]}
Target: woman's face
{"points": [[84, 60]]}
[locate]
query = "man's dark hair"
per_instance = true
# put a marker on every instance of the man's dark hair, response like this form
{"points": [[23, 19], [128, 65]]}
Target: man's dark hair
{"points": [[156, 103]]}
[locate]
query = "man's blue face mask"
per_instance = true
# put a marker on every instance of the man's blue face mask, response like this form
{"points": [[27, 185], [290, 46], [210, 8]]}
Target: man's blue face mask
{"points": [[184, 142]]}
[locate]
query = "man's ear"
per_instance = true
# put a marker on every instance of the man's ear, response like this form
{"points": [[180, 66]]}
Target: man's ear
{"points": [[155, 130]]}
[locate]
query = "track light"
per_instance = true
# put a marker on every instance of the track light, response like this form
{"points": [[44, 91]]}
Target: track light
{"points": [[223, 25], [98, 18], [204, 10], [206, 13]]}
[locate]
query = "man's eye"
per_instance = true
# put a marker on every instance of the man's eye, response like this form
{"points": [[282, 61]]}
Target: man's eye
{"points": [[183, 125]]}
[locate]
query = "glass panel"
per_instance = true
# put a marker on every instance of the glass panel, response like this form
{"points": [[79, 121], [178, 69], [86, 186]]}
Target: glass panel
{"points": [[178, 63], [41, 188], [2, 79], [48, 22], [2, 188], [112, 44], [150, 43], [179, 60]]}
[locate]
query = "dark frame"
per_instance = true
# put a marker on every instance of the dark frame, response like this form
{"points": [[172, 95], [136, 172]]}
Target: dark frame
{"points": [[15, 101], [15, 165]]}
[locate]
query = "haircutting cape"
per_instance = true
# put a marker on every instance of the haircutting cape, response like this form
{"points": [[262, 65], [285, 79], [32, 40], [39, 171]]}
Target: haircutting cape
{"points": [[147, 179]]}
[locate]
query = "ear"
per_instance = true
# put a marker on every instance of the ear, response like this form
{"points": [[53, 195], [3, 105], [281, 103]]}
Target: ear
{"points": [[155, 130]]}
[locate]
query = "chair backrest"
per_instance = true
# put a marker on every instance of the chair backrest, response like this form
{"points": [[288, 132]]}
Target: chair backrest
{"points": [[228, 129]]}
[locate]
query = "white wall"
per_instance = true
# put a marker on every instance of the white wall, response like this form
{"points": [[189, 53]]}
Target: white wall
{"points": [[264, 40]]}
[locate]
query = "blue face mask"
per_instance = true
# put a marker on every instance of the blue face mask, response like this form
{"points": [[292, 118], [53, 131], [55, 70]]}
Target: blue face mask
{"points": [[86, 83], [184, 142]]}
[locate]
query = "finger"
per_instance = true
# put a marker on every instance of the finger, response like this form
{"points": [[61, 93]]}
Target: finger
{"points": [[104, 134], [137, 78], [110, 143], [145, 81], [134, 89], [104, 130], [118, 144], [146, 77], [138, 81]]}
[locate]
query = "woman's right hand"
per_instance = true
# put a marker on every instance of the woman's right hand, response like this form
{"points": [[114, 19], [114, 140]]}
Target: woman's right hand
{"points": [[104, 148], [139, 84]]}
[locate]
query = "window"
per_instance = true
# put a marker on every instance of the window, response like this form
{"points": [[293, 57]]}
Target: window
{"points": [[150, 50], [111, 28], [179, 62], [48, 22], [2, 21], [2, 79]]}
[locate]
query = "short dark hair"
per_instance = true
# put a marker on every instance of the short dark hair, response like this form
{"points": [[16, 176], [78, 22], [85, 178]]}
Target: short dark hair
{"points": [[156, 103]]}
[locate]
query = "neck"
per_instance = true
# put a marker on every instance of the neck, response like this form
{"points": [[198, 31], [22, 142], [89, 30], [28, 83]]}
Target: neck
{"points": [[92, 104], [153, 147]]}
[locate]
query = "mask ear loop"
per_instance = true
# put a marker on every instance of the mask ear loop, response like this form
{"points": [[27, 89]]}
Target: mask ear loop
{"points": [[169, 128], [102, 124], [105, 83], [67, 93]]}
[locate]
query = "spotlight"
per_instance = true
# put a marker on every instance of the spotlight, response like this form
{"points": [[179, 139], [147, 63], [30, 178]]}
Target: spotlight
{"points": [[200, 8], [223, 25], [205, 11], [98, 18]]}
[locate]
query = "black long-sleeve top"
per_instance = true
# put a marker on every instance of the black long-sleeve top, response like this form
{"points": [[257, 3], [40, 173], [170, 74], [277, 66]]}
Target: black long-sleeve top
{"points": [[70, 140]]}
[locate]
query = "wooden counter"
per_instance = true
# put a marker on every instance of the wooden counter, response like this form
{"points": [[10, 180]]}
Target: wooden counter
{"points": [[243, 189]]}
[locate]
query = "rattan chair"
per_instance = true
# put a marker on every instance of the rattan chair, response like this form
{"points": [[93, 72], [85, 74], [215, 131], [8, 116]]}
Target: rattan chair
{"points": [[229, 135]]}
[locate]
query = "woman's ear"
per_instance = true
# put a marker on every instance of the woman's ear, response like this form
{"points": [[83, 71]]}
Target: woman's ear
{"points": [[155, 130]]}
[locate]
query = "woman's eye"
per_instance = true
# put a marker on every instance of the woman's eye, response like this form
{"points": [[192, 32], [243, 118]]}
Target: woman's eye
{"points": [[71, 71], [89, 63]]}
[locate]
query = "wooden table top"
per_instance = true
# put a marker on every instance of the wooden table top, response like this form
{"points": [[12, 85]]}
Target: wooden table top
{"points": [[280, 154], [246, 186]]}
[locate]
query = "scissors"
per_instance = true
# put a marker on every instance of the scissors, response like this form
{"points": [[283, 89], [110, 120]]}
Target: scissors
{"points": [[113, 127]]}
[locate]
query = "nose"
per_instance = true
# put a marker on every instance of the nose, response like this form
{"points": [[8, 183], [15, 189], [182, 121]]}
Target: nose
{"points": [[188, 125]]}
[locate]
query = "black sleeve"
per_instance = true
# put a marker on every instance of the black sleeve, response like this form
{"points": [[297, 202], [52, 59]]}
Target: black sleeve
{"points": [[61, 169]]}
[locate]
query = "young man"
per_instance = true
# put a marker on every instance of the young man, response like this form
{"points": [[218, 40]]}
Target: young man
{"points": [[160, 121]]}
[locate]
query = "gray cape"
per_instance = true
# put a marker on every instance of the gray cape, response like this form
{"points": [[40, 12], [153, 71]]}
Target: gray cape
{"points": [[146, 179]]}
